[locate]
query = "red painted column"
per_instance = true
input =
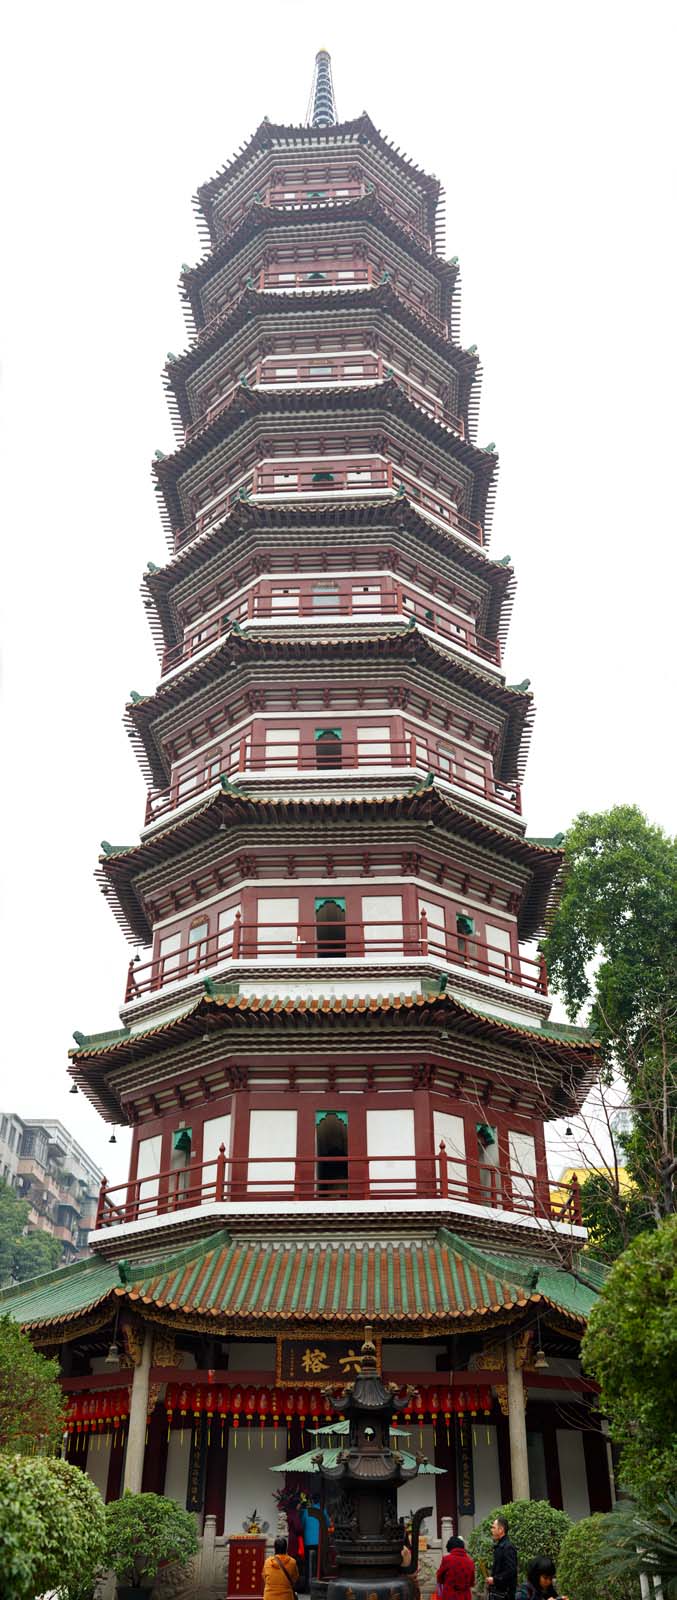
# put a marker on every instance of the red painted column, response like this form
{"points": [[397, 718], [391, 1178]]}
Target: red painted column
{"points": [[217, 1476], [155, 1458], [115, 1465], [445, 1488], [596, 1456]]}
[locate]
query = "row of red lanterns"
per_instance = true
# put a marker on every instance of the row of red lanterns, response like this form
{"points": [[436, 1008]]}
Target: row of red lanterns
{"points": [[96, 1410], [92, 1411], [278, 1404]]}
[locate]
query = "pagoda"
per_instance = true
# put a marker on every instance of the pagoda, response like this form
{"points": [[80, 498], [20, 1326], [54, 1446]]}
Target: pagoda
{"points": [[335, 1054]]}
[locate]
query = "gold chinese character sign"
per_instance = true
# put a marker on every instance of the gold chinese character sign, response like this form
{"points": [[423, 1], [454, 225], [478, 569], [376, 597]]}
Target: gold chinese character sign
{"points": [[309, 1362]]}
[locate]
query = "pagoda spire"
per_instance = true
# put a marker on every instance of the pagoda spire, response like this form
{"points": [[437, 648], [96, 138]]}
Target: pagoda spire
{"points": [[321, 111]]}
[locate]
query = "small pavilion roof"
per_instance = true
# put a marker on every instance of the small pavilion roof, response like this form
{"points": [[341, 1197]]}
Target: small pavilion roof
{"points": [[238, 1283], [121, 866]]}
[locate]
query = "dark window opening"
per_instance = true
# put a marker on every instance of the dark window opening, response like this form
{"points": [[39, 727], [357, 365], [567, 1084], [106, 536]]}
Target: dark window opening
{"points": [[330, 927], [331, 1145], [328, 748]]}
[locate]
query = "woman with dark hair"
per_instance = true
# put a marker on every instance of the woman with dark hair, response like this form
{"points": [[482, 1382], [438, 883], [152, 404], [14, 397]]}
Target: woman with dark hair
{"points": [[456, 1572], [280, 1574], [540, 1581]]}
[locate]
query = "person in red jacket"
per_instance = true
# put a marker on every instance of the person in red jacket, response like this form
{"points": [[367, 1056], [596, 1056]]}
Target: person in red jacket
{"points": [[456, 1573]]}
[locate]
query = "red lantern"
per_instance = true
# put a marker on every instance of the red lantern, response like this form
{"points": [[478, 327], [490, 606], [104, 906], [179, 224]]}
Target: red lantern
{"points": [[289, 1409], [210, 1407], [184, 1400], [434, 1409], [302, 1410], [249, 1409], [421, 1403], [223, 1406], [276, 1404], [314, 1404], [72, 1414], [171, 1399], [104, 1411], [263, 1402], [197, 1400], [236, 1404], [447, 1406]]}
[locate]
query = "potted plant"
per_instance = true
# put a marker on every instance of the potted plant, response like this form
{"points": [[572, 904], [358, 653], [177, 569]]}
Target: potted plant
{"points": [[143, 1532]]}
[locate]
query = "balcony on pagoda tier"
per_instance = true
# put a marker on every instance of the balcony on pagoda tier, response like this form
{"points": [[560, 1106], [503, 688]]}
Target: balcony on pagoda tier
{"points": [[442, 1178], [311, 196], [346, 369], [355, 477], [321, 276], [272, 756], [285, 944], [328, 603]]}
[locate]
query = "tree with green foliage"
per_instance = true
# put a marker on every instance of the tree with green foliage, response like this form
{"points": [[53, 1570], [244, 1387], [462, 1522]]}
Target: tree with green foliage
{"points": [[32, 1407], [635, 1542], [142, 1532], [51, 1528], [580, 1566], [612, 949], [534, 1527], [23, 1255], [630, 1349], [612, 1215]]}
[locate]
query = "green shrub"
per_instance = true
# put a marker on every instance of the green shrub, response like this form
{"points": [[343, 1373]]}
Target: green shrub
{"points": [[51, 1527], [534, 1527], [143, 1530], [579, 1574]]}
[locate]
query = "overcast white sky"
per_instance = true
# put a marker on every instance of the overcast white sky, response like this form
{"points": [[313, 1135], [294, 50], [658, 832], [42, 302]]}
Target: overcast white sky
{"points": [[551, 128]]}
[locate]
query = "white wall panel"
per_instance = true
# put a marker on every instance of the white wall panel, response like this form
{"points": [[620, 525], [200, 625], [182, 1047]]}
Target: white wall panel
{"points": [[485, 1469], [176, 1475], [271, 1134], [572, 1473], [250, 1482]]}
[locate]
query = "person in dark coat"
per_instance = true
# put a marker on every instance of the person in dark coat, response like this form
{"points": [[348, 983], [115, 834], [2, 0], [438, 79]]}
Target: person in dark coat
{"points": [[540, 1584], [456, 1572], [503, 1580]]}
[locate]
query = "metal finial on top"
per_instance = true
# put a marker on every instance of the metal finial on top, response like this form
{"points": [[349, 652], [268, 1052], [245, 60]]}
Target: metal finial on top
{"points": [[321, 111]]}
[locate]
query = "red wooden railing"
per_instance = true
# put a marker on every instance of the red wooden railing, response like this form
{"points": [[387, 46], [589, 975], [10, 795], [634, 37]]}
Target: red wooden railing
{"points": [[326, 606], [285, 371], [325, 479], [335, 941], [214, 512], [305, 197], [413, 752], [343, 275], [439, 1176]]}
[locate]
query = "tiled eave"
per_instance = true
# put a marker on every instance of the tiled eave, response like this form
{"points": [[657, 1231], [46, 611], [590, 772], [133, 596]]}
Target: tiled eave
{"points": [[379, 401], [160, 585], [333, 307], [261, 219], [321, 1017], [230, 1282], [121, 870], [410, 646], [279, 136]]}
